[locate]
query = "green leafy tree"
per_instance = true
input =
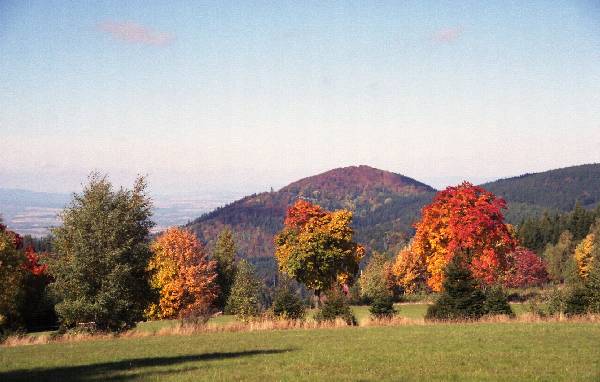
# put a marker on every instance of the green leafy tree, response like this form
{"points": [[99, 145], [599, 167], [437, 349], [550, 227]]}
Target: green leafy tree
{"points": [[11, 280], [224, 255], [461, 297], [245, 296], [559, 257], [593, 284], [102, 255], [375, 279]]}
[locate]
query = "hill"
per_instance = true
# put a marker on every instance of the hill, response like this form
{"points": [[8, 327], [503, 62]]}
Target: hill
{"points": [[385, 205], [554, 190]]}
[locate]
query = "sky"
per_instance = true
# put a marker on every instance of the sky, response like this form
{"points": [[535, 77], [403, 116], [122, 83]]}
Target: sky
{"points": [[243, 96]]}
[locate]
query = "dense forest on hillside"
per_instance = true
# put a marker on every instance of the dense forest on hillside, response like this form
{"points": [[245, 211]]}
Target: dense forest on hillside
{"points": [[552, 191]]}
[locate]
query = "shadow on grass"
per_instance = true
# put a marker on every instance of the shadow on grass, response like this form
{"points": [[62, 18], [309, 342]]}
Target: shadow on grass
{"points": [[126, 369]]}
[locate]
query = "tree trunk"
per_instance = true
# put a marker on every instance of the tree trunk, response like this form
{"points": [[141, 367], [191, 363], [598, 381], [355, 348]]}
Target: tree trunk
{"points": [[317, 298]]}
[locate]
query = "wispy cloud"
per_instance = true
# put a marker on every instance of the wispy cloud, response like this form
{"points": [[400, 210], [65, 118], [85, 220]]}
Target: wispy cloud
{"points": [[448, 35], [131, 32]]}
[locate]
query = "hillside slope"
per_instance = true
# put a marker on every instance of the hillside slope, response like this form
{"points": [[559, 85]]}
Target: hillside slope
{"points": [[385, 206], [554, 190]]}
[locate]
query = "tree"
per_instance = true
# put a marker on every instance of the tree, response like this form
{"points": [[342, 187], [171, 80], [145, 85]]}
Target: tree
{"points": [[287, 303], [102, 256], [11, 279], [558, 257], [38, 310], [336, 306], [461, 297], [224, 255], [496, 301], [182, 274], [526, 269], [315, 247], [245, 296], [409, 270], [584, 252], [464, 219], [375, 279], [382, 306]]}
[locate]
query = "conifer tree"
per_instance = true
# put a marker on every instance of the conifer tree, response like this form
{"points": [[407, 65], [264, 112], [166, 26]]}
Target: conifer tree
{"points": [[461, 297], [245, 296]]}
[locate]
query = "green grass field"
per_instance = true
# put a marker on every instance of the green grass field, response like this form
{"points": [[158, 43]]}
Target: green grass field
{"points": [[482, 351]]}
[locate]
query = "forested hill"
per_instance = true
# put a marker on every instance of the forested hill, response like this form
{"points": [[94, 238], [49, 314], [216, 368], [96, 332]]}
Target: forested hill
{"points": [[385, 205], [554, 190]]}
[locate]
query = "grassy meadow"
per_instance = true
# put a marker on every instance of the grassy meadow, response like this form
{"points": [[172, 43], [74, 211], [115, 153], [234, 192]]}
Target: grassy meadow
{"points": [[541, 351], [479, 351]]}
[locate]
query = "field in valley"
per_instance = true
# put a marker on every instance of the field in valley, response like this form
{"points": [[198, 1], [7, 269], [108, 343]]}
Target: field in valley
{"points": [[549, 351]]}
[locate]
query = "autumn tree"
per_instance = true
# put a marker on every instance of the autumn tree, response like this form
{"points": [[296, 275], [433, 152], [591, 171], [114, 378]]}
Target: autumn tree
{"points": [[183, 276], [525, 269], [102, 255], [585, 250], [315, 247], [245, 298], [38, 310], [410, 271], [224, 256], [464, 219]]}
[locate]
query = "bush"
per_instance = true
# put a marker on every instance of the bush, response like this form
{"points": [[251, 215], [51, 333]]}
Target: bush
{"points": [[382, 306], [461, 297], [287, 304], [556, 302], [336, 306], [576, 301], [496, 302]]}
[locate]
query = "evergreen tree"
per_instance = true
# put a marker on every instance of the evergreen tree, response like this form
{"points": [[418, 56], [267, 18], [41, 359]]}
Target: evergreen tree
{"points": [[336, 306], [382, 306], [461, 297], [244, 298], [287, 303], [496, 302], [102, 255], [224, 255]]}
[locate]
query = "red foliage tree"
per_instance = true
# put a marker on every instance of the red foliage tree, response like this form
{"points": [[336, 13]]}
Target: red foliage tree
{"points": [[526, 269]]}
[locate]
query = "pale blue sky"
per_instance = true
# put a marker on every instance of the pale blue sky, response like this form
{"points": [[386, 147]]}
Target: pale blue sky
{"points": [[247, 95]]}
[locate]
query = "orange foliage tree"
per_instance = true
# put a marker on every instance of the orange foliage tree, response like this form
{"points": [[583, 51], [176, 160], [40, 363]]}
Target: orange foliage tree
{"points": [[316, 248], [182, 274], [465, 219]]}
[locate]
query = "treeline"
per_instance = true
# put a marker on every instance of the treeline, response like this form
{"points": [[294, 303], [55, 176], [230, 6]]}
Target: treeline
{"points": [[537, 233]]}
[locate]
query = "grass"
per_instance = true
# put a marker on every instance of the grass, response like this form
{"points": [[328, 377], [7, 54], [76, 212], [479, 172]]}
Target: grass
{"points": [[547, 351]]}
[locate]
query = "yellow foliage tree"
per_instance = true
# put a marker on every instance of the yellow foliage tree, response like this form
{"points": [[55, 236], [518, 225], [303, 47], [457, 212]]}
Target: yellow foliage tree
{"points": [[183, 275], [409, 270], [584, 254]]}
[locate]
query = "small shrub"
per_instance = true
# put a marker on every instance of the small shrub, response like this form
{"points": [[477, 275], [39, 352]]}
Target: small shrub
{"points": [[556, 302], [287, 304], [336, 306], [576, 301], [496, 302], [382, 306]]}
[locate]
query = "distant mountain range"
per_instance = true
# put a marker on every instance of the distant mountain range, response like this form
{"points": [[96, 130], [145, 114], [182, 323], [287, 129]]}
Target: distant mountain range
{"points": [[387, 204]]}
